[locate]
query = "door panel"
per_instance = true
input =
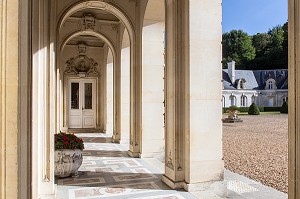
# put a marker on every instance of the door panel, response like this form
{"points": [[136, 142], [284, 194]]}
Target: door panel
{"points": [[88, 112], [82, 103], [75, 112]]}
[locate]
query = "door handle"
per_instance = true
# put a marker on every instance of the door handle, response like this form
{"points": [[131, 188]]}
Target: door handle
{"points": [[82, 108]]}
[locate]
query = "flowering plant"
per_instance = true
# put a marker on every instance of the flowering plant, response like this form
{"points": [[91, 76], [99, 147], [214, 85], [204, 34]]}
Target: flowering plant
{"points": [[67, 141]]}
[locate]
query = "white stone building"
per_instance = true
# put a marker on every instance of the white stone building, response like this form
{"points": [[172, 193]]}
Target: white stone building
{"points": [[268, 88]]}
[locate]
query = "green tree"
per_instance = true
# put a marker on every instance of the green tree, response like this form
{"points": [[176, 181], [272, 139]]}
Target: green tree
{"points": [[277, 37], [253, 110], [237, 46], [261, 42]]}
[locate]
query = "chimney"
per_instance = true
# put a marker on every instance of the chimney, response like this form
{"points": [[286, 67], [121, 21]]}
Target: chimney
{"points": [[231, 71]]}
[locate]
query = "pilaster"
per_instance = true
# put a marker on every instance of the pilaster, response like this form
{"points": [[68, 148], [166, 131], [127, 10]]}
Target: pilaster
{"points": [[294, 99], [9, 113], [176, 91], [117, 97]]}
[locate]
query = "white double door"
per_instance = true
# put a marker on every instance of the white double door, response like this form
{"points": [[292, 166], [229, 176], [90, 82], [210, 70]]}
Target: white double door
{"points": [[82, 107]]}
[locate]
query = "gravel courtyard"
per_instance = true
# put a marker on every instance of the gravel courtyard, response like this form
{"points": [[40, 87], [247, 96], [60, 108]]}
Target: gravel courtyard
{"points": [[258, 148]]}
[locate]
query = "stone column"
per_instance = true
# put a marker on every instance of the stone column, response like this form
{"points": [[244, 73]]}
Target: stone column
{"points": [[294, 99], [203, 149], [153, 94], [9, 114], [109, 94], [43, 98], [125, 88], [193, 94], [136, 88], [117, 97], [103, 92]]}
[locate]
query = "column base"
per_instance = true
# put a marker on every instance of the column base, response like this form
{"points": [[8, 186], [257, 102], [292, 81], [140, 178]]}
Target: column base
{"points": [[172, 184], [215, 187], [203, 186], [115, 140], [134, 154]]}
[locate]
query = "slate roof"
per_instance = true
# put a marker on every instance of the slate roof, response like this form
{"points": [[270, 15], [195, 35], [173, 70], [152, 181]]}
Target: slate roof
{"points": [[256, 79]]}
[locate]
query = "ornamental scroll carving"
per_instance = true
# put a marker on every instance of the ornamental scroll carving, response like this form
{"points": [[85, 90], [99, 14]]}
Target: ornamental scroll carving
{"points": [[81, 65]]}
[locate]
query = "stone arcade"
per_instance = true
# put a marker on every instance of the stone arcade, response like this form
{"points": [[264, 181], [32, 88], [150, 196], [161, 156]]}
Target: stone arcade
{"points": [[158, 64]]}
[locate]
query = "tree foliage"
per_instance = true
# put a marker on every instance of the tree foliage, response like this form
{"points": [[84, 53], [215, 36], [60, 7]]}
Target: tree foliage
{"points": [[270, 49], [237, 46]]}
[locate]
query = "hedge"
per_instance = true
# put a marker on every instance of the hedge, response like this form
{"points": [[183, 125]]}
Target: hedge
{"points": [[261, 109]]}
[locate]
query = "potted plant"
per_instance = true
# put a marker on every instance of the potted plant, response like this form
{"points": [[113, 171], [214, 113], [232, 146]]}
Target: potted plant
{"points": [[232, 112], [67, 154]]}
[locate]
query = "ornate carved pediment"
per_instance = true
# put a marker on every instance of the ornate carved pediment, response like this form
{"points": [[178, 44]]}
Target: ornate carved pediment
{"points": [[81, 65]]}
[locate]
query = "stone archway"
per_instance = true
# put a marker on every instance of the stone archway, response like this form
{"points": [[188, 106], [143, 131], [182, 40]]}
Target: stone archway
{"points": [[135, 65]]}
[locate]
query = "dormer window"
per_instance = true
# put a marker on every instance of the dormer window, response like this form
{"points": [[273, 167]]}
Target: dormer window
{"points": [[240, 83], [271, 84]]}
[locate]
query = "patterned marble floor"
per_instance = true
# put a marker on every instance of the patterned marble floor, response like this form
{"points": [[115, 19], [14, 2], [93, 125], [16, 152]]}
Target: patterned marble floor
{"points": [[108, 172]]}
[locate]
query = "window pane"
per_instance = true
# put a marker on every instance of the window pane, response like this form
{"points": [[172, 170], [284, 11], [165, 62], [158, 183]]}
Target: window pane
{"points": [[74, 95], [88, 96]]}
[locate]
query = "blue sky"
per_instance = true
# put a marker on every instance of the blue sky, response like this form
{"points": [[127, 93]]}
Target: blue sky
{"points": [[253, 16]]}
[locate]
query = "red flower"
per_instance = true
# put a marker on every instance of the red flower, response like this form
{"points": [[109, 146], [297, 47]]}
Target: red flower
{"points": [[65, 138], [66, 143]]}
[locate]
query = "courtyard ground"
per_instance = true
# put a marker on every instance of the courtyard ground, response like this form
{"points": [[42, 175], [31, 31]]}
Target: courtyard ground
{"points": [[258, 148]]}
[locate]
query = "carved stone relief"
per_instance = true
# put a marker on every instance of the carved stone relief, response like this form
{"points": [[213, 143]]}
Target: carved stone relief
{"points": [[81, 65], [89, 22], [169, 163]]}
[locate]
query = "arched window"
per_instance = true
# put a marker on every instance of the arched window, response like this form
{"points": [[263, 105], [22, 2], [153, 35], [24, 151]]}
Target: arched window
{"points": [[223, 102], [232, 100], [243, 101]]}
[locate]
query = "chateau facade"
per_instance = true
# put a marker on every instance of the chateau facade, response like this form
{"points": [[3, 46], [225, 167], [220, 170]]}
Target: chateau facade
{"points": [[268, 88]]}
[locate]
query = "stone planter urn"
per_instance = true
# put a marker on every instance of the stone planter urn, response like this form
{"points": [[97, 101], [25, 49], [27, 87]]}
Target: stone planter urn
{"points": [[67, 154], [233, 114], [67, 162]]}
